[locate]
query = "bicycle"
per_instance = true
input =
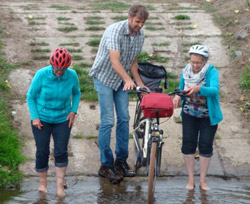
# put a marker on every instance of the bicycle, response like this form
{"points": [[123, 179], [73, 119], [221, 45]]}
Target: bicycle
{"points": [[147, 135]]}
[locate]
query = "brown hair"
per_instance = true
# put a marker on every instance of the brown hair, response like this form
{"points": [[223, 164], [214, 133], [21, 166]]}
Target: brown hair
{"points": [[139, 11]]}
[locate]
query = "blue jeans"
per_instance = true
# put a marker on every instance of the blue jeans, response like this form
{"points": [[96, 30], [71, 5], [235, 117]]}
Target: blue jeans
{"points": [[108, 100], [197, 131], [61, 134]]}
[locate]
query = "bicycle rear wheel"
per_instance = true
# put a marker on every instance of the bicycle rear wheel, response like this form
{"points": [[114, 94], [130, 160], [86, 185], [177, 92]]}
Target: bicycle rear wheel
{"points": [[152, 172]]}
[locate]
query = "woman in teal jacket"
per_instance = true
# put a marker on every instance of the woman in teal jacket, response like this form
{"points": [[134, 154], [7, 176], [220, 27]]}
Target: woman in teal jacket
{"points": [[53, 99], [200, 113]]}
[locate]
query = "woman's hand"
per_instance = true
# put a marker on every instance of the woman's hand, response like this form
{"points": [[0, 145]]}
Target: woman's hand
{"points": [[192, 90], [37, 123], [176, 101], [71, 118]]}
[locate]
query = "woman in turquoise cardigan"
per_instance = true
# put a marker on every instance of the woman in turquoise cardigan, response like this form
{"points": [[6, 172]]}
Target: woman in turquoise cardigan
{"points": [[200, 113], [53, 99]]}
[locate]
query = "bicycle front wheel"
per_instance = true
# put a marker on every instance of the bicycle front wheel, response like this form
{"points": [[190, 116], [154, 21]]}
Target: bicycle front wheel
{"points": [[152, 172]]}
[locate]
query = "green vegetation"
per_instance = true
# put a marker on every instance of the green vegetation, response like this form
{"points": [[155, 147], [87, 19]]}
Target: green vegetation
{"points": [[86, 84], [72, 50], [94, 43], [245, 78], [77, 136], [182, 17], [92, 137], [41, 57], [208, 7], [60, 7], [94, 22], [10, 143], [63, 19], [32, 22], [145, 57], [76, 57], [150, 7], [154, 28], [163, 44], [74, 44], [83, 65], [39, 44], [94, 28], [93, 18], [153, 23], [119, 18], [40, 50], [117, 6], [67, 29]]}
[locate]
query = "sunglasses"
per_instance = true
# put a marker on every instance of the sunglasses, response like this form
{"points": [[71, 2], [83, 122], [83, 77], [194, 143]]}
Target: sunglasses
{"points": [[58, 69]]}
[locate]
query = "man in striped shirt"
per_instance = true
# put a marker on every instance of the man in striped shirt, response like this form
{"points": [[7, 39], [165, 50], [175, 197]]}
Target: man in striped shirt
{"points": [[120, 45]]}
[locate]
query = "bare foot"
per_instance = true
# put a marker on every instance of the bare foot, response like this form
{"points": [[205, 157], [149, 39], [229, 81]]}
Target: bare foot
{"points": [[43, 189], [60, 193], [190, 186], [204, 186]]}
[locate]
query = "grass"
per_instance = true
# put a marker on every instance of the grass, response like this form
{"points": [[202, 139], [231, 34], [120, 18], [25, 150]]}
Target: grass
{"points": [[39, 44], [10, 142], [63, 19], [163, 44], [60, 7], [93, 18], [153, 28], [77, 136], [182, 17], [92, 137], [74, 44], [145, 57], [83, 65], [117, 6], [86, 84], [245, 78], [119, 18], [77, 57], [72, 50], [40, 50], [150, 7], [67, 29], [95, 28], [94, 43], [94, 22]]}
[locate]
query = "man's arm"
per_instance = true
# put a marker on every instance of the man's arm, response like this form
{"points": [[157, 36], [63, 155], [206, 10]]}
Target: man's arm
{"points": [[119, 69]]}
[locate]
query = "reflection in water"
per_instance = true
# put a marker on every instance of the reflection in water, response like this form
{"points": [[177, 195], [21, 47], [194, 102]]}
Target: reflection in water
{"points": [[190, 197], [122, 193], [95, 190]]}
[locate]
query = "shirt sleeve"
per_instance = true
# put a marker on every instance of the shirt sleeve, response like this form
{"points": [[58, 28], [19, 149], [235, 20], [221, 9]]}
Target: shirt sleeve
{"points": [[35, 88], [213, 88]]}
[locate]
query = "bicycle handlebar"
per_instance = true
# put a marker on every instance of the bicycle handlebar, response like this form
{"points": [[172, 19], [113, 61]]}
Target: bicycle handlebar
{"points": [[175, 92]]}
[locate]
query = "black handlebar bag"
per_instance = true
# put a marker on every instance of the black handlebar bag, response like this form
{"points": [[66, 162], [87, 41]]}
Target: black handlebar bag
{"points": [[152, 75]]}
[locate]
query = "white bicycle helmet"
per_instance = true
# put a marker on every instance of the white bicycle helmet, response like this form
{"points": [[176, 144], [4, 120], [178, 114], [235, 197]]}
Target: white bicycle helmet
{"points": [[200, 50]]}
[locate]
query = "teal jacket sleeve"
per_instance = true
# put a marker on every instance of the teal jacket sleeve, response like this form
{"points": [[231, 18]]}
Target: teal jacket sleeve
{"points": [[212, 87], [76, 93], [33, 91]]}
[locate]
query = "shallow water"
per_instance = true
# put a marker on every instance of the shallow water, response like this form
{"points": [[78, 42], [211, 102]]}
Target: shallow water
{"points": [[131, 191]]}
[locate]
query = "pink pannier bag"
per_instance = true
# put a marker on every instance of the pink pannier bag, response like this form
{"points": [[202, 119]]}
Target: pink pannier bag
{"points": [[157, 103]]}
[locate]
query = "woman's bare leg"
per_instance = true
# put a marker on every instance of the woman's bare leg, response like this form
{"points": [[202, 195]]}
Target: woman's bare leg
{"points": [[189, 161], [204, 164]]}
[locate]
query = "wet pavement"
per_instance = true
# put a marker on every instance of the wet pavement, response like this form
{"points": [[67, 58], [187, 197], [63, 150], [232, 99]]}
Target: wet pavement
{"points": [[95, 190]]}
